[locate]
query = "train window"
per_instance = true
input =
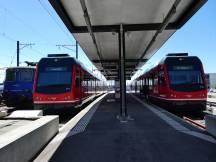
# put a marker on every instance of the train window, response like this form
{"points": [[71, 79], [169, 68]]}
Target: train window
{"points": [[11, 75], [150, 81], [156, 80], [162, 81], [77, 82], [26, 75]]}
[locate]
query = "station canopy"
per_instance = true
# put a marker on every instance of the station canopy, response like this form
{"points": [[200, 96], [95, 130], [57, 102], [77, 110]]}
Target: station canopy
{"points": [[147, 25]]}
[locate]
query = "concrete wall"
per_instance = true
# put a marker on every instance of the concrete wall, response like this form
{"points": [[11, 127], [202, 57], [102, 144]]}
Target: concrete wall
{"points": [[23, 143], [211, 80], [210, 121]]}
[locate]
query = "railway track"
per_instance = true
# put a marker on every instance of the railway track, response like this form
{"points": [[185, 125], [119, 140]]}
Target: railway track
{"points": [[6, 109], [64, 117], [211, 108], [200, 123]]}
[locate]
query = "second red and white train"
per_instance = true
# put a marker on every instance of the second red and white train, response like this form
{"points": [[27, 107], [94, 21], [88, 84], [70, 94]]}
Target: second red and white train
{"points": [[177, 82], [63, 82]]}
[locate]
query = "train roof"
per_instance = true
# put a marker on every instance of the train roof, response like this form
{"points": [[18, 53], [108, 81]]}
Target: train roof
{"points": [[168, 57], [165, 59], [20, 67], [75, 61]]}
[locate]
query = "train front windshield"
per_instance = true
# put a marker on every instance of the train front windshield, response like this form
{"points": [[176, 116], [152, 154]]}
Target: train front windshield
{"points": [[20, 75], [186, 78], [11, 75], [54, 77], [26, 75]]}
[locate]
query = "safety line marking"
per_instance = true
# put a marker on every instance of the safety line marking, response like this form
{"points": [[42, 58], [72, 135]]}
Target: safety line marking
{"points": [[176, 125], [82, 124], [64, 131]]}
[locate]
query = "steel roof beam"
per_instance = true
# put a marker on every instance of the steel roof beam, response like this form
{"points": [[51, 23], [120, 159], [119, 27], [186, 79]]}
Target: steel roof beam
{"points": [[116, 70], [116, 67], [127, 27], [89, 26], [117, 61], [168, 17], [111, 75]]}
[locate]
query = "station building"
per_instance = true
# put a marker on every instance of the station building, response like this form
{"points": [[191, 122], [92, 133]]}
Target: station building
{"points": [[211, 80]]}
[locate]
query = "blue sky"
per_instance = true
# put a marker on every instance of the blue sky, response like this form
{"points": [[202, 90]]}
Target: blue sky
{"points": [[28, 22]]}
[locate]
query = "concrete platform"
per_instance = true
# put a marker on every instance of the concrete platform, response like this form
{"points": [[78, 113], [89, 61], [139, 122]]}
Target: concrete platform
{"points": [[22, 139], [153, 136]]}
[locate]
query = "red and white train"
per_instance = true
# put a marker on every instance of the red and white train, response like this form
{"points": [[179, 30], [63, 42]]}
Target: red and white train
{"points": [[61, 81], [178, 82]]}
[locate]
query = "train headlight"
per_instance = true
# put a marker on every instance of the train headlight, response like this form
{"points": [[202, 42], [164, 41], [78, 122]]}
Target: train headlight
{"points": [[67, 98], [173, 95]]}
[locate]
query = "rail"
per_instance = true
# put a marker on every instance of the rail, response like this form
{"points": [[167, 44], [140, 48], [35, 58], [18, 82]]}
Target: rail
{"points": [[194, 122], [210, 108], [211, 104]]}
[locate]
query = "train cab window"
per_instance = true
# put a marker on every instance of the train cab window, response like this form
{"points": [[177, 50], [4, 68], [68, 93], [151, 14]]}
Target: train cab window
{"points": [[26, 75], [11, 75]]}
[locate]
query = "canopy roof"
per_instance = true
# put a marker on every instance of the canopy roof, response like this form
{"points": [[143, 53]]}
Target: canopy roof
{"points": [[147, 24]]}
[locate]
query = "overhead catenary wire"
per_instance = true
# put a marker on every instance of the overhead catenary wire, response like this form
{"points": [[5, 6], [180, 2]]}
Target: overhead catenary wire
{"points": [[37, 51], [12, 58], [53, 18], [4, 35], [7, 37], [66, 46], [27, 26]]}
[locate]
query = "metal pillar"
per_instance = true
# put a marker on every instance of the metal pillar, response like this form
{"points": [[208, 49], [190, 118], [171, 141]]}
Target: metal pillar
{"points": [[123, 117], [95, 84], [18, 51], [76, 50], [135, 86]]}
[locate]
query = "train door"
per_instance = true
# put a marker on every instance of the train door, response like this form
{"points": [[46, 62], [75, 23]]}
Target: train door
{"points": [[78, 83], [82, 89], [162, 82], [155, 84]]}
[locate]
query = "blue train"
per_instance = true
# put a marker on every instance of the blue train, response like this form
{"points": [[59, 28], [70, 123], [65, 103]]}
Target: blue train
{"points": [[18, 86], [2, 78]]}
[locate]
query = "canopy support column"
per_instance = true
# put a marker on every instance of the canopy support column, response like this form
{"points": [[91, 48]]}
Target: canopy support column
{"points": [[123, 117]]}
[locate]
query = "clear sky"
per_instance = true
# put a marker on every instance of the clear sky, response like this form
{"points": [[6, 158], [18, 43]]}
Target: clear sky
{"points": [[34, 21]]}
